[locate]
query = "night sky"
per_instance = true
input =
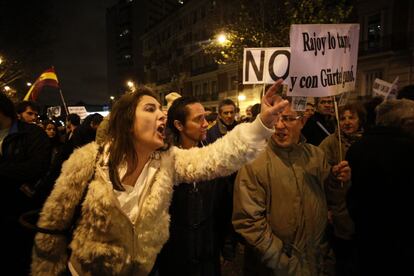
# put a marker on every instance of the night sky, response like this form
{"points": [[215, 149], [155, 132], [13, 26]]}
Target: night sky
{"points": [[75, 45]]}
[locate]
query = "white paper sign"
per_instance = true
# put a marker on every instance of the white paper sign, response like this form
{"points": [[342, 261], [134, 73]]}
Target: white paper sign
{"points": [[53, 111], [265, 65], [384, 89], [80, 110], [323, 59], [299, 103]]}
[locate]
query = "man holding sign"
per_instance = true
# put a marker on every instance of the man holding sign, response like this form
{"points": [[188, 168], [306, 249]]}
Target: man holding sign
{"points": [[280, 206]]}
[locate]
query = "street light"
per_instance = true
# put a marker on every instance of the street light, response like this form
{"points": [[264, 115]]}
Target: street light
{"points": [[221, 38], [131, 85], [112, 98], [29, 84], [241, 97], [7, 88]]}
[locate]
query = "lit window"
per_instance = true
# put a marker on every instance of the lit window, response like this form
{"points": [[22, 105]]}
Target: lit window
{"points": [[374, 31]]}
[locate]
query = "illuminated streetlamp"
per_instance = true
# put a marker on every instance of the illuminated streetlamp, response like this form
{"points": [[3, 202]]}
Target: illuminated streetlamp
{"points": [[241, 97], [131, 85], [7, 88], [29, 84], [222, 39], [112, 98]]}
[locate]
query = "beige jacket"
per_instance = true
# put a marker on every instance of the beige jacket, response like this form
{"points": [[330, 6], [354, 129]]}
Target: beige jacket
{"points": [[279, 200], [336, 195], [105, 241]]}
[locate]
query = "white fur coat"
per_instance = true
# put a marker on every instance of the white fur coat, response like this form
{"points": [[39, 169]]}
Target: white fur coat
{"points": [[105, 241]]}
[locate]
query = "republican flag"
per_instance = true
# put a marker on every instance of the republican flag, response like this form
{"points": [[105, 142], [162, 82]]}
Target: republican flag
{"points": [[47, 78]]}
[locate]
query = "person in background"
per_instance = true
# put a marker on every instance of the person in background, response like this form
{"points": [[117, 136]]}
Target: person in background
{"points": [[211, 119], [255, 111], [124, 219], [310, 108], [225, 122], [193, 247], [72, 122], [380, 198], [322, 123], [28, 111], [370, 106], [171, 97], [51, 129], [24, 159], [351, 122], [86, 132], [407, 92], [280, 205]]}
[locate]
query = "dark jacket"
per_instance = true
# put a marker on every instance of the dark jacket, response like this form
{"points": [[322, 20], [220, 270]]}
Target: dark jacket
{"points": [[195, 231], [314, 133], [25, 158], [218, 130], [380, 200]]}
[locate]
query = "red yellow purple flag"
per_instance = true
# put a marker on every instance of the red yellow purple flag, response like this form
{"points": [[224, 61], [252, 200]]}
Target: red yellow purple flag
{"points": [[47, 78]]}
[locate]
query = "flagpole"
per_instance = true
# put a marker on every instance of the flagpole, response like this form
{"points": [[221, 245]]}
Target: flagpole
{"points": [[63, 100]]}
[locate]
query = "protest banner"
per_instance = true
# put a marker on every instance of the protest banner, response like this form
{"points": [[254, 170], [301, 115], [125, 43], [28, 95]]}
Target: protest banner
{"points": [[323, 59], [80, 110]]}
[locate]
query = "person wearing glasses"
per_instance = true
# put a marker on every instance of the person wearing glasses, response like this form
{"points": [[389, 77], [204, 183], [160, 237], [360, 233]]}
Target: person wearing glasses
{"points": [[280, 206]]}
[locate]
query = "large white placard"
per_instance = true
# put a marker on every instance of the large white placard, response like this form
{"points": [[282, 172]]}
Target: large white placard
{"points": [[323, 59], [80, 110]]}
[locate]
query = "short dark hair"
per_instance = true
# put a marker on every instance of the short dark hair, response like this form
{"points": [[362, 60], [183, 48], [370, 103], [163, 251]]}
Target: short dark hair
{"points": [[226, 102], [178, 111], [356, 108], [7, 107], [22, 106], [73, 118]]}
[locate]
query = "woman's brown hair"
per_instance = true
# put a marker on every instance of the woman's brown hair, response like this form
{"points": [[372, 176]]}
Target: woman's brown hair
{"points": [[121, 122]]}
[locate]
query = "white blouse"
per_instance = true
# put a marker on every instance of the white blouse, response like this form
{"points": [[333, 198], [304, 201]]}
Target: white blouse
{"points": [[130, 200]]}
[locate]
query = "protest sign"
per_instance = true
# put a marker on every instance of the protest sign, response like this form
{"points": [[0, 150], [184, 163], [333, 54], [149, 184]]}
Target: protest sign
{"points": [[53, 111], [384, 89], [323, 59], [265, 65], [80, 110]]}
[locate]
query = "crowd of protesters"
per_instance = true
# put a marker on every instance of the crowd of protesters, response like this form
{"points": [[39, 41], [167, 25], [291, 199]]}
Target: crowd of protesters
{"points": [[166, 197]]}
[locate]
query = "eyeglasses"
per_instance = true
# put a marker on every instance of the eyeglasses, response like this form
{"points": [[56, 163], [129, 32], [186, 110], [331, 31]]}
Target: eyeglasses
{"points": [[289, 118]]}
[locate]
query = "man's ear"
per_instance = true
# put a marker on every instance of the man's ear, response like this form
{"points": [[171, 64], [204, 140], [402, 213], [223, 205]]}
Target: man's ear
{"points": [[178, 125]]}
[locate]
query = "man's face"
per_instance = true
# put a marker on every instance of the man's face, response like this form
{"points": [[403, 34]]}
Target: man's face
{"points": [[310, 110], [195, 126], [288, 128], [29, 115], [249, 111], [227, 114], [325, 106]]}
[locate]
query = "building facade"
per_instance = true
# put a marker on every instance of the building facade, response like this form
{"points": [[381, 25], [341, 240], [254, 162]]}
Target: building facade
{"points": [[159, 43]]}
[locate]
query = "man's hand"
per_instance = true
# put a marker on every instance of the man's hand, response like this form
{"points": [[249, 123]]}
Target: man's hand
{"points": [[342, 171], [272, 105]]}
